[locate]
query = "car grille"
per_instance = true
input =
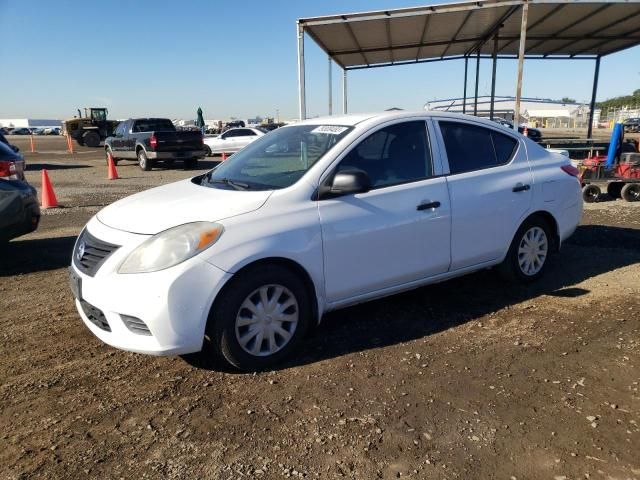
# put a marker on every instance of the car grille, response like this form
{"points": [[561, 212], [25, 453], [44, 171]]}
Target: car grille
{"points": [[136, 325], [90, 253], [95, 316]]}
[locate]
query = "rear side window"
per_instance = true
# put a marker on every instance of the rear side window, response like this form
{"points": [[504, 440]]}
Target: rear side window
{"points": [[153, 125], [470, 147], [246, 133]]}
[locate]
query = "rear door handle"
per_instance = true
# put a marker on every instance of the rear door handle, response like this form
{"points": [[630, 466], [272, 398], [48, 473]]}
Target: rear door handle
{"points": [[521, 188], [427, 206]]}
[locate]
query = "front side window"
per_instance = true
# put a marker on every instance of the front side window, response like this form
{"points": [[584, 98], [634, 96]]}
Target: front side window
{"points": [[470, 147], [395, 154], [275, 160]]}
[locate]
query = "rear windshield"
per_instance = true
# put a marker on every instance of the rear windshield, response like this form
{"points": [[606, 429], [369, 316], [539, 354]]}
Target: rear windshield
{"points": [[153, 125]]}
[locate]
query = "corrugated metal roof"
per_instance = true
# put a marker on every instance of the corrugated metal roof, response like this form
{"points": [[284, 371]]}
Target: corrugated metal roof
{"points": [[570, 28]]}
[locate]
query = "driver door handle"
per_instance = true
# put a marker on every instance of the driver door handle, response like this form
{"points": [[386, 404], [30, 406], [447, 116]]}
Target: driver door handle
{"points": [[521, 188], [427, 206]]}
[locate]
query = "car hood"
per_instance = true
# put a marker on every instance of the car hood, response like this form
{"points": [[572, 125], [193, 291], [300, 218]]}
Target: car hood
{"points": [[160, 208]]}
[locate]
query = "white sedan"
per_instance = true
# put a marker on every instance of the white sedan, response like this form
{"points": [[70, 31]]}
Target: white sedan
{"points": [[313, 217], [232, 140]]}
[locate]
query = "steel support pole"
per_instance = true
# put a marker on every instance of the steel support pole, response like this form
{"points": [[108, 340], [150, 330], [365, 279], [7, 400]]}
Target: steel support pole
{"points": [[592, 105], [464, 95], [301, 87], [330, 90], [523, 41], [475, 103], [493, 75], [344, 92]]}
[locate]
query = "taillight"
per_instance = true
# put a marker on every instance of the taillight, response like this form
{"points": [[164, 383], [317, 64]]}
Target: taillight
{"points": [[570, 170], [8, 170], [153, 141]]}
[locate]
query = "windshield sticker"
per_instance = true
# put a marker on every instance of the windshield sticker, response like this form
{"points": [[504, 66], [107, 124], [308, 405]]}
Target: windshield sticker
{"points": [[331, 129]]}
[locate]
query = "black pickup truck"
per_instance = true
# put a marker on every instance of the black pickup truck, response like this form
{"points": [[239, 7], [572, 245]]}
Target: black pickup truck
{"points": [[149, 140]]}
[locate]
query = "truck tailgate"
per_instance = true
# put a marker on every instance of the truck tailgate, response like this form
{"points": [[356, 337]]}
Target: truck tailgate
{"points": [[178, 141]]}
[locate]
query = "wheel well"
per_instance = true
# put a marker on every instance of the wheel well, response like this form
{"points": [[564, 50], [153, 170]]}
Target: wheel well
{"points": [[296, 268], [551, 221], [138, 148]]}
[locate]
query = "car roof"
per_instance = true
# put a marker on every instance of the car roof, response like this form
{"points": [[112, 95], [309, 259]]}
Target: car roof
{"points": [[375, 117]]}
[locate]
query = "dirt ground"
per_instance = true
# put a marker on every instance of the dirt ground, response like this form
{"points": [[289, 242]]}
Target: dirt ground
{"points": [[468, 379]]}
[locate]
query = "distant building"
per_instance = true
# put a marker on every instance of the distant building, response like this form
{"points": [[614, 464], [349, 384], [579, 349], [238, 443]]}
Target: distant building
{"points": [[534, 111], [29, 123]]}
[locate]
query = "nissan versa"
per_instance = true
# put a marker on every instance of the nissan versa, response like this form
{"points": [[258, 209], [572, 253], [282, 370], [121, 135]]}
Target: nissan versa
{"points": [[313, 217]]}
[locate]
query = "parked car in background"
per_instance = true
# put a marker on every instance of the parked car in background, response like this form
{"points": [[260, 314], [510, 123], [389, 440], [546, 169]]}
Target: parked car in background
{"points": [[152, 140], [533, 133], [21, 131], [52, 131], [232, 140], [632, 125], [316, 216], [234, 124], [19, 208], [38, 131]]}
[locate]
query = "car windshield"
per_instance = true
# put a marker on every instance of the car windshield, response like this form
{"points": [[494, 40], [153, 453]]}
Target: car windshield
{"points": [[276, 160]]}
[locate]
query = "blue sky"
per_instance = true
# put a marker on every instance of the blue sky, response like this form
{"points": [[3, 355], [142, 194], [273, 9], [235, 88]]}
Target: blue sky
{"points": [[232, 58]]}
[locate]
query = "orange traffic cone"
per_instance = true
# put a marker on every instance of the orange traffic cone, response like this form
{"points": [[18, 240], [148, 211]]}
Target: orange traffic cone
{"points": [[113, 173], [33, 145], [224, 156], [49, 199]]}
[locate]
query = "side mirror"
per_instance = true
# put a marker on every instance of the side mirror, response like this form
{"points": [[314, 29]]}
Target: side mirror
{"points": [[350, 182]]}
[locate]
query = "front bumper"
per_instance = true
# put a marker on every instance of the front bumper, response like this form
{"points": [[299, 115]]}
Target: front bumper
{"points": [[173, 304]]}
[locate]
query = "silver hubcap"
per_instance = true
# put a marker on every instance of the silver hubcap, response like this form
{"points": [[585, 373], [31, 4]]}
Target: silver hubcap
{"points": [[267, 320], [532, 251]]}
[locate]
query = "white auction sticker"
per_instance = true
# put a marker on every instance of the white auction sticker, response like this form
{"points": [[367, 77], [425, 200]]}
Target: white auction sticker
{"points": [[332, 129]]}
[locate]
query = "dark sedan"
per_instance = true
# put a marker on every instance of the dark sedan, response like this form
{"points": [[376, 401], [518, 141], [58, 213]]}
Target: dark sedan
{"points": [[19, 209], [533, 133]]}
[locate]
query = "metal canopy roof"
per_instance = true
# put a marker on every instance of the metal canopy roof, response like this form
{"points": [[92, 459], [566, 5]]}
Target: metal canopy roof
{"points": [[556, 29]]}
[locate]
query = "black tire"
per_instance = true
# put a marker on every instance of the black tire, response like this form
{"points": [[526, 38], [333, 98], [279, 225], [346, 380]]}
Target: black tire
{"points": [[207, 151], [614, 189], [91, 139], [221, 326], [631, 192], [144, 162], [190, 163], [106, 157], [510, 269], [80, 142], [590, 193]]}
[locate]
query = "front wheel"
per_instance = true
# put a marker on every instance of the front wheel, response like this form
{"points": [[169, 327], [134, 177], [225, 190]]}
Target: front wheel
{"points": [[529, 252], [143, 160], [260, 317], [590, 193]]}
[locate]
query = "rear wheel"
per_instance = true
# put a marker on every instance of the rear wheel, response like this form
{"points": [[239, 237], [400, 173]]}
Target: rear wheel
{"points": [[143, 161], [529, 252], [590, 193], [631, 192], [190, 163], [260, 317], [207, 151], [108, 151], [91, 139]]}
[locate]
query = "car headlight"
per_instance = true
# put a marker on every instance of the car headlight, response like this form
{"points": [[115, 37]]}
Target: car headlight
{"points": [[171, 247]]}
